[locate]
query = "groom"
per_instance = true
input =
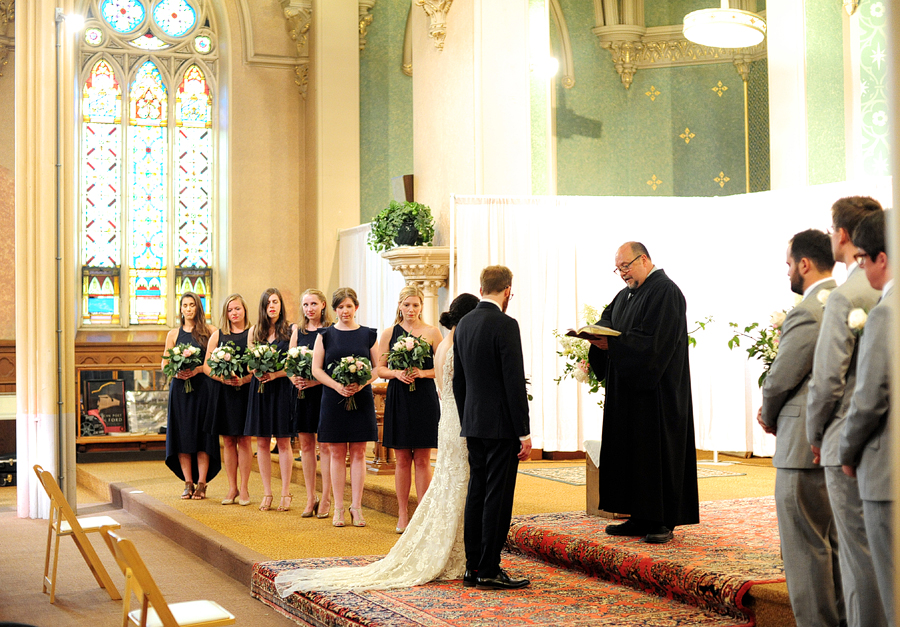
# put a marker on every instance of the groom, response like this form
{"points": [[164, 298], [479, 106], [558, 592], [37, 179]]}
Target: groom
{"points": [[489, 384]]}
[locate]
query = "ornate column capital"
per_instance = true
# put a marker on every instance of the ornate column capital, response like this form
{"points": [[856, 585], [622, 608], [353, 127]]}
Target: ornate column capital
{"points": [[365, 20], [298, 14], [425, 266], [437, 10]]}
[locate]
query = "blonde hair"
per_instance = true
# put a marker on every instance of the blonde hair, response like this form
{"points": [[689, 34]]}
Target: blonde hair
{"points": [[226, 323], [325, 318], [406, 292]]}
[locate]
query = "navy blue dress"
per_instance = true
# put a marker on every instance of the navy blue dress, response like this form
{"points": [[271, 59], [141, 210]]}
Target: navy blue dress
{"points": [[411, 418], [336, 424], [184, 424], [306, 410], [269, 411], [228, 404]]}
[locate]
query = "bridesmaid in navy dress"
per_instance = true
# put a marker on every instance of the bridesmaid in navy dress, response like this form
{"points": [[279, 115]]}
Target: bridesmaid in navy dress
{"points": [[228, 402], [340, 428], [190, 451], [410, 417], [269, 411], [306, 410]]}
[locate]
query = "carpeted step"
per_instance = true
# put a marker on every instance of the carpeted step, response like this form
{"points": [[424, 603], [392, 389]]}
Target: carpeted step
{"points": [[557, 596], [711, 565]]}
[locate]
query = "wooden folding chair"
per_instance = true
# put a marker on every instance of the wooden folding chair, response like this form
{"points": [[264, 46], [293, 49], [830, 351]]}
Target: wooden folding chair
{"points": [[63, 522], [154, 610]]}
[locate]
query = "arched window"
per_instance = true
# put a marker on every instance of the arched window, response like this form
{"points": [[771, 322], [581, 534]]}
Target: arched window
{"points": [[147, 159]]}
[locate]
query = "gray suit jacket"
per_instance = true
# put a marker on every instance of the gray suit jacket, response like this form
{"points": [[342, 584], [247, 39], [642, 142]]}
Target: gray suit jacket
{"points": [[784, 390], [834, 366], [866, 436]]}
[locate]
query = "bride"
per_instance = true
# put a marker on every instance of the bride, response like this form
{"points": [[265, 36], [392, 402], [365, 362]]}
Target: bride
{"points": [[432, 545]]}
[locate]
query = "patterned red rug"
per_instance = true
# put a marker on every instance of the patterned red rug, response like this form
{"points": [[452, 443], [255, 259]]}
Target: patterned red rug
{"points": [[700, 578]]}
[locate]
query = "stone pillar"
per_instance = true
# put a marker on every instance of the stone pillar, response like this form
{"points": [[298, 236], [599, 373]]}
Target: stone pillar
{"points": [[334, 93], [425, 266], [37, 367]]}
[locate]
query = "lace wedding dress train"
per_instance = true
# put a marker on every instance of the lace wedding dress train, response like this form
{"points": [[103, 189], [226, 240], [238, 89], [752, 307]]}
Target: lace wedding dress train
{"points": [[432, 545]]}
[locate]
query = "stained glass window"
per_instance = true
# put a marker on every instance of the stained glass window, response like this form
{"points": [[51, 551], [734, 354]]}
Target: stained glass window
{"points": [[147, 196]]}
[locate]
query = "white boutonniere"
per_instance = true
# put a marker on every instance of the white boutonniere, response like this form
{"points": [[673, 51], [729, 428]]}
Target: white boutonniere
{"points": [[823, 296], [777, 319], [857, 320]]}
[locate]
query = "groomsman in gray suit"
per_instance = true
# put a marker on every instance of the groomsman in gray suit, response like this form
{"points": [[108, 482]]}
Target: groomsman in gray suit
{"points": [[830, 389], [808, 539], [865, 447]]}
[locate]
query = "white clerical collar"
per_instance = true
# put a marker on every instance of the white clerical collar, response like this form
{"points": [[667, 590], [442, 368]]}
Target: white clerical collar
{"points": [[814, 285]]}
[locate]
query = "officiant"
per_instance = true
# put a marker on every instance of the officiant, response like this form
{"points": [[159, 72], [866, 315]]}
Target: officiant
{"points": [[648, 462]]}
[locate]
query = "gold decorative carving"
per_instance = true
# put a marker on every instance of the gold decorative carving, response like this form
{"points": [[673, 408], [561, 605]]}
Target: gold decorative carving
{"points": [[437, 12], [406, 64], [425, 266], [654, 182], [687, 136], [7, 42], [721, 179], [365, 20], [850, 6], [720, 89], [653, 93], [298, 14], [623, 56]]}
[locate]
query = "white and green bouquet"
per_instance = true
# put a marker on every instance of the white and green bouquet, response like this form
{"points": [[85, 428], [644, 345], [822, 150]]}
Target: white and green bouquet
{"points": [[263, 359], [408, 352], [350, 370], [298, 363], [182, 357], [764, 340], [225, 361], [575, 352]]}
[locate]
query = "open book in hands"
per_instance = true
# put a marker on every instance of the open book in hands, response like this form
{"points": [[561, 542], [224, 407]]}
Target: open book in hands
{"points": [[592, 332]]}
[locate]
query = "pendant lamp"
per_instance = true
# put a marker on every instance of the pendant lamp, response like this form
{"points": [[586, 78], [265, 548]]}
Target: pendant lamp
{"points": [[724, 27]]}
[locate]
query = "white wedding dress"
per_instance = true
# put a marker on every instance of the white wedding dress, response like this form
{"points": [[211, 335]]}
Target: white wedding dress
{"points": [[432, 545]]}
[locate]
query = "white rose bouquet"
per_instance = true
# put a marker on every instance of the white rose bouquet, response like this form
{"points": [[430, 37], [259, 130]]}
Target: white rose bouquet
{"points": [[857, 320], [765, 340], [298, 363], [182, 357], [350, 370], [408, 352], [263, 359], [225, 361]]}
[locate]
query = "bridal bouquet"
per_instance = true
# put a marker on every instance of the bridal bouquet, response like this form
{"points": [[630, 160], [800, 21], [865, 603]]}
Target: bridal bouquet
{"points": [[350, 370], [765, 340], [408, 352], [263, 359], [225, 361], [182, 357], [298, 363]]}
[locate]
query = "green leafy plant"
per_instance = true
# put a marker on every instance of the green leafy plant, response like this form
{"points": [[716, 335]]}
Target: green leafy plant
{"points": [[388, 223]]}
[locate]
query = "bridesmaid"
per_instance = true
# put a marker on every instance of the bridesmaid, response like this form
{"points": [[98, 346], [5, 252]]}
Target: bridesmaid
{"points": [[410, 418], [190, 451], [228, 402], [306, 410], [269, 412], [338, 427]]}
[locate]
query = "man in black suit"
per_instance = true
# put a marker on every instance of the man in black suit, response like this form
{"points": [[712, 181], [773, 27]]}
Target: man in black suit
{"points": [[489, 385]]}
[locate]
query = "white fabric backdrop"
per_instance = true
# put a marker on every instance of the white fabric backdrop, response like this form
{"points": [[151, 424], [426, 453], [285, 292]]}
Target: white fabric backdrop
{"points": [[377, 284], [726, 253]]}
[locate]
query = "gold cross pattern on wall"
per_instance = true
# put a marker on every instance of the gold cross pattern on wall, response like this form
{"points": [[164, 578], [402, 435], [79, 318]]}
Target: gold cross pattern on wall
{"points": [[721, 179], [653, 93], [654, 182], [687, 135], [720, 89]]}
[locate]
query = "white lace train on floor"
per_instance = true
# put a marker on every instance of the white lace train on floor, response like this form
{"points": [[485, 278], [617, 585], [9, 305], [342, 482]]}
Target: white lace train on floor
{"points": [[432, 545]]}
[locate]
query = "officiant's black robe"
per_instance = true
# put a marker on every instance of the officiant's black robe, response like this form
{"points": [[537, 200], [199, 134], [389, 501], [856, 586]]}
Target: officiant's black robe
{"points": [[648, 462]]}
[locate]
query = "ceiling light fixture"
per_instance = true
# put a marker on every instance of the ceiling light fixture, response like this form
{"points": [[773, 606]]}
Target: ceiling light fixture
{"points": [[724, 27]]}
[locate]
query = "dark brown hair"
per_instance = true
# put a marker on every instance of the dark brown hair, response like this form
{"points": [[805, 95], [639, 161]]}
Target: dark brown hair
{"points": [[263, 326], [201, 330]]}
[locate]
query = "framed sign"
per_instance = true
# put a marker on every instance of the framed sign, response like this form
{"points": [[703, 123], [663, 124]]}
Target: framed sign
{"points": [[104, 399]]}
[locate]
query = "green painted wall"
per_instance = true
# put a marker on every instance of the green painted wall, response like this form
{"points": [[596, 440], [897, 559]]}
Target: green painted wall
{"points": [[385, 108], [825, 92]]}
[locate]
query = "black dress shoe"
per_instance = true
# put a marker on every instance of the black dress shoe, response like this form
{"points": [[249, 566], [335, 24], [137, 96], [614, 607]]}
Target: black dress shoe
{"points": [[501, 582], [469, 578], [659, 535], [627, 528]]}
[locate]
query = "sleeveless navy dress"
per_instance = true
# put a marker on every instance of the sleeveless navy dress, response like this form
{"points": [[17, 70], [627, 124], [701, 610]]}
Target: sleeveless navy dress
{"points": [[336, 424], [306, 410], [269, 411], [184, 425], [411, 418], [228, 404]]}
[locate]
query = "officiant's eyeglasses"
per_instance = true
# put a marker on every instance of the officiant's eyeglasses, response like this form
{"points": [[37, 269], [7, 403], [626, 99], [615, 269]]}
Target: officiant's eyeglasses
{"points": [[861, 259], [626, 266]]}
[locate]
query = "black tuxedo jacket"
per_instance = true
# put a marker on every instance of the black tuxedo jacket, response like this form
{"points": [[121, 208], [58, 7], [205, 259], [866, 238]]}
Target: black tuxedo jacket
{"points": [[489, 377]]}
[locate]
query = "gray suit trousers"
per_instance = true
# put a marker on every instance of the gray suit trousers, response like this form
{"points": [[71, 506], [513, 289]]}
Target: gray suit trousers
{"points": [[809, 547], [878, 527], [864, 607]]}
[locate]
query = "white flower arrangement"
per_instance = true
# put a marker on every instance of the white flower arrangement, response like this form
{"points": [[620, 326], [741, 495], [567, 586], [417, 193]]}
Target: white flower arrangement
{"points": [[823, 295]]}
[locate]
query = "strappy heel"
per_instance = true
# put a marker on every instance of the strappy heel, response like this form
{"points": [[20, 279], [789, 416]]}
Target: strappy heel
{"points": [[285, 508], [323, 510], [338, 520], [200, 492], [188, 490], [361, 522], [266, 503], [311, 512]]}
